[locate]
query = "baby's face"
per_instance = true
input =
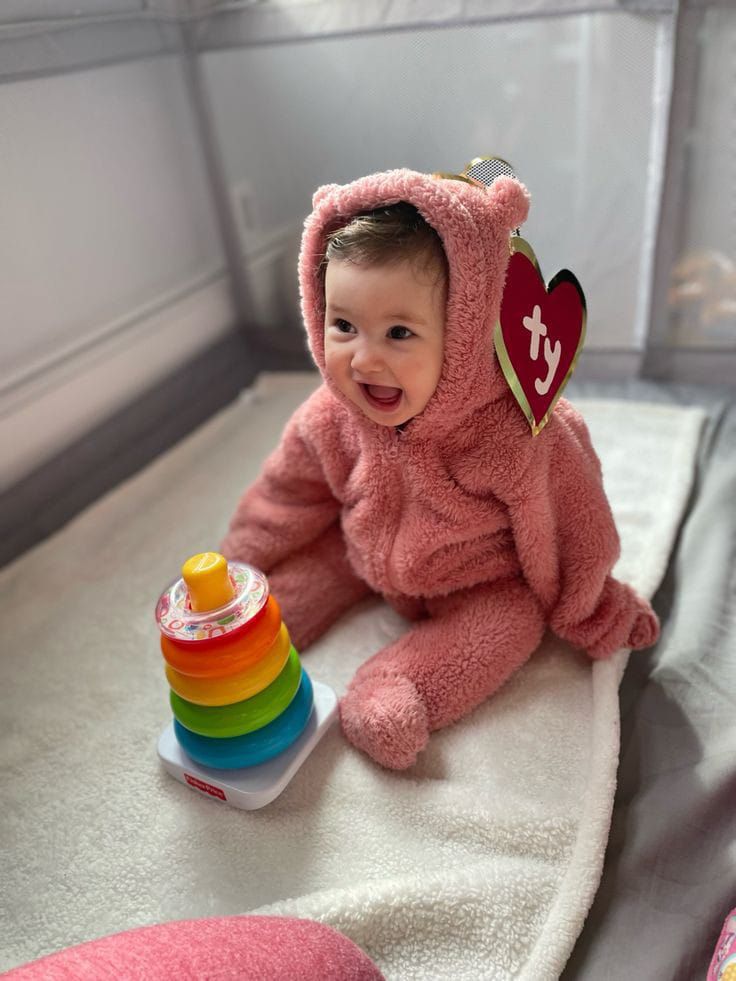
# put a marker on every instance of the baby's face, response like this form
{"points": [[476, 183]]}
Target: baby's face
{"points": [[384, 336]]}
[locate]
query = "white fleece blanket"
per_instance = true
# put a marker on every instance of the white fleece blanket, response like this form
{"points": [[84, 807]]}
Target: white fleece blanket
{"points": [[481, 862]]}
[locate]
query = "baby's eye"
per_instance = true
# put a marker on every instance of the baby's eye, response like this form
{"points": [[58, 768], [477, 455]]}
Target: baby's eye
{"points": [[343, 326], [400, 333]]}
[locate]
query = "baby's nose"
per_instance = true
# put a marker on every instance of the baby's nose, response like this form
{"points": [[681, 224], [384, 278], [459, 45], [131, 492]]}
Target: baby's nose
{"points": [[366, 357]]}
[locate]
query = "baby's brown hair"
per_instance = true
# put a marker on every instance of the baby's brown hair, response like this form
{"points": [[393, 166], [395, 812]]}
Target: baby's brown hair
{"points": [[393, 233]]}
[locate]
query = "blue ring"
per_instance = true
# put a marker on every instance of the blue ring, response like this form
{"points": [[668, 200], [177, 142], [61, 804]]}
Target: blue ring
{"points": [[254, 747]]}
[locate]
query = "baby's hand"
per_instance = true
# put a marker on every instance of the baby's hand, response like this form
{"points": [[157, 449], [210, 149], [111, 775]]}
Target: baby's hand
{"points": [[645, 629]]}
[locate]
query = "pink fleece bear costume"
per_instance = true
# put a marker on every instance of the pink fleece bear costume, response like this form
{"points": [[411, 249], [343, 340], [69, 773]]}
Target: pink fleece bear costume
{"points": [[479, 533]]}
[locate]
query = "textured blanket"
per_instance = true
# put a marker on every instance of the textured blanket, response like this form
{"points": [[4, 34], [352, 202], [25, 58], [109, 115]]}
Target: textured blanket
{"points": [[480, 862]]}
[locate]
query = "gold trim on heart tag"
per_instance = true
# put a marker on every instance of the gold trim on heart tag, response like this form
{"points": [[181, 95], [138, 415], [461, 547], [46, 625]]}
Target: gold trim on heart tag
{"points": [[518, 244]]}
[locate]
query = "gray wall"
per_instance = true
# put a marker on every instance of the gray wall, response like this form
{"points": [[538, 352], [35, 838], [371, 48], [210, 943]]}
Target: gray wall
{"points": [[111, 268]]}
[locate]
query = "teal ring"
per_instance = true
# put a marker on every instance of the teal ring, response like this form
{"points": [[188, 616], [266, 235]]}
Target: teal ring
{"points": [[254, 747]]}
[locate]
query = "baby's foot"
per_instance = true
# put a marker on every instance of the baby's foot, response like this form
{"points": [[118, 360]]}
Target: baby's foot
{"points": [[644, 631], [385, 717]]}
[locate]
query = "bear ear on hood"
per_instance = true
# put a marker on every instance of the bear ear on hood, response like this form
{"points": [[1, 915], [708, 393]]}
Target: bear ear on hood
{"points": [[509, 202], [323, 192]]}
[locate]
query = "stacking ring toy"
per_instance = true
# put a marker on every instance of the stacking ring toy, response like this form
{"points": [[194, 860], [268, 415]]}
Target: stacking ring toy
{"points": [[225, 721], [244, 684], [254, 747], [229, 654]]}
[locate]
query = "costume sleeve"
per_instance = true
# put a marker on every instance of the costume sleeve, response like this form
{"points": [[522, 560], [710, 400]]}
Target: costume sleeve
{"points": [[567, 543], [289, 506]]}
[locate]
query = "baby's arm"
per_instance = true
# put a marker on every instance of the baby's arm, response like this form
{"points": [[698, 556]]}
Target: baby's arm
{"points": [[287, 524], [568, 544], [289, 506]]}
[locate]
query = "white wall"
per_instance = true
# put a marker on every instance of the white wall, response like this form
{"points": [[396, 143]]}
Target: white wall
{"points": [[568, 100], [111, 269]]}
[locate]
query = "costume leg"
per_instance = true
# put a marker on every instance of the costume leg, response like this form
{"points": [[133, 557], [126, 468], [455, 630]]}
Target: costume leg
{"points": [[315, 586], [441, 669], [409, 607]]}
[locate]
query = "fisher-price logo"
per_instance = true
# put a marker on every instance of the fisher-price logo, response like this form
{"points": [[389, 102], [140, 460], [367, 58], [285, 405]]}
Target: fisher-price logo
{"points": [[206, 788]]}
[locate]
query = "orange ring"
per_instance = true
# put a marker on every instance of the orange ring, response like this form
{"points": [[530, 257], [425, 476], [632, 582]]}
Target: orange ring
{"points": [[237, 687], [220, 657]]}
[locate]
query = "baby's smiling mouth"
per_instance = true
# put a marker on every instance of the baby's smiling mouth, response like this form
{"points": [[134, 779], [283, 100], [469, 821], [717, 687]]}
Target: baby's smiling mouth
{"points": [[382, 397]]}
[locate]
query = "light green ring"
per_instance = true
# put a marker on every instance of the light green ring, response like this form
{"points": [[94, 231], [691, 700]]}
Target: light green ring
{"points": [[227, 721]]}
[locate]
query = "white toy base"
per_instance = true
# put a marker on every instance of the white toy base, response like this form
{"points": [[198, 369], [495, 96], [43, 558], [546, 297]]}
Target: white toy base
{"points": [[254, 786]]}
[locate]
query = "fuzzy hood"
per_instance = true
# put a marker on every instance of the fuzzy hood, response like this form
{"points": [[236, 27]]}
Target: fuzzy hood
{"points": [[474, 224]]}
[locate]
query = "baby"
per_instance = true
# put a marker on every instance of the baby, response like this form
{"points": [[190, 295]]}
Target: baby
{"points": [[412, 472]]}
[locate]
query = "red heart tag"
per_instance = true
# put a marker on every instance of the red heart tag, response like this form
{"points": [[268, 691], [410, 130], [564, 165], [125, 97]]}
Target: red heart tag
{"points": [[539, 334]]}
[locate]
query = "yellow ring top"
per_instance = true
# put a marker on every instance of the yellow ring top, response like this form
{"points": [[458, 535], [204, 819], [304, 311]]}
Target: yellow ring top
{"points": [[208, 581]]}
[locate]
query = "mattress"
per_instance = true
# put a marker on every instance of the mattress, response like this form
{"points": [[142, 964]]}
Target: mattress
{"points": [[484, 859], [669, 877]]}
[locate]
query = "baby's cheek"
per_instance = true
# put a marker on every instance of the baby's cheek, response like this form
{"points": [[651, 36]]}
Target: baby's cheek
{"points": [[329, 354]]}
